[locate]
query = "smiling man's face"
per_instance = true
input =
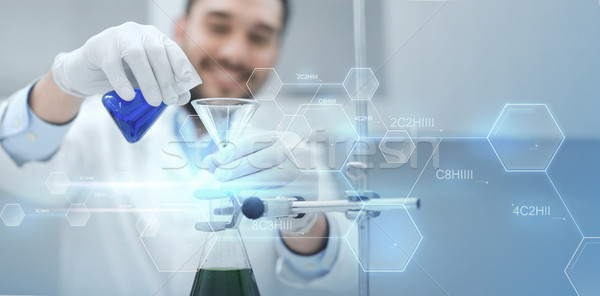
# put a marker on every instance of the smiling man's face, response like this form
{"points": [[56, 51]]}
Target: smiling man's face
{"points": [[227, 39]]}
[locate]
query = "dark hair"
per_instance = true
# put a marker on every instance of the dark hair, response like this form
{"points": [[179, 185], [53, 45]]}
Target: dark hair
{"points": [[284, 3]]}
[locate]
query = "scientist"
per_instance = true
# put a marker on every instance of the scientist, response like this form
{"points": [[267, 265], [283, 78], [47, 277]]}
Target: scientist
{"points": [[57, 124]]}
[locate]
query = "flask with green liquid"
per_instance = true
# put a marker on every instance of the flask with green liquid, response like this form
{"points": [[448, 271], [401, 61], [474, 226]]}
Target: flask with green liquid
{"points": [[225, 269]]}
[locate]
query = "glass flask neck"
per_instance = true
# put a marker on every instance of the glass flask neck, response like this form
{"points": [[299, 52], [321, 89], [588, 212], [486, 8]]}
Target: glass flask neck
{"points": [[227, 251]]}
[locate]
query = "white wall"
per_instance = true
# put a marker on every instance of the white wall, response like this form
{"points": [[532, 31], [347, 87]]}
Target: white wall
{"points": [[33, 32], [476, 55]]}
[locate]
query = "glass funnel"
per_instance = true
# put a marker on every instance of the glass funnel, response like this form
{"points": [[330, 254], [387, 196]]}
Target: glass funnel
{"points": [[225, 118]]}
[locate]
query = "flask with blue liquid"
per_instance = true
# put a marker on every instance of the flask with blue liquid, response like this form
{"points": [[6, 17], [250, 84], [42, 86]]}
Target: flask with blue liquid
{"points": [[134, 118]]}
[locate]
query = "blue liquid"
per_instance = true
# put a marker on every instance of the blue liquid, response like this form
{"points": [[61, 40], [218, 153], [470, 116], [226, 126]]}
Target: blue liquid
{"points": [[134, 118]]}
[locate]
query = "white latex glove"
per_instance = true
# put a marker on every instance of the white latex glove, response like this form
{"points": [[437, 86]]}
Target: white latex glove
{"points": [[161, 68], [259, 165], [256, 161]]}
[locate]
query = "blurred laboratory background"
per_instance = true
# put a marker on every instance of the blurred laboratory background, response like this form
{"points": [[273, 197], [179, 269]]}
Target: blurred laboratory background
{"points": [[457, 62]]}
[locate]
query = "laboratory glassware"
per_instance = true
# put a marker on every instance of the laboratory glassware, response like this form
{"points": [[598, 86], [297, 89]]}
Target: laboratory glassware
{"points": [[225, 269], [134, 118], [225, 118]]}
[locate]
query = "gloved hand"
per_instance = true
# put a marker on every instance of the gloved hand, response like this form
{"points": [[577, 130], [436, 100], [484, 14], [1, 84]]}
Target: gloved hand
{"points": [[256, 161], [160, 66], [260, 165]]}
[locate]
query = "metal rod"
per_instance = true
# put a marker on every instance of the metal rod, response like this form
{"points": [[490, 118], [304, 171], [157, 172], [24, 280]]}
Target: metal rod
{"points": [[362, 129], [346, 205]]}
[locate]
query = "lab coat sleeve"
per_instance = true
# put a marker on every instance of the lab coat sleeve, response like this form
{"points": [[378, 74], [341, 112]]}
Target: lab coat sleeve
{"points": [[23, 135], [322, 271], [26, 182]]}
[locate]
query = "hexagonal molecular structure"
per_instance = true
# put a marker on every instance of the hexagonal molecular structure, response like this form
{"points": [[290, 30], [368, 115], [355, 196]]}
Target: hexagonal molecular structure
{"points": [[269, 89], [78, 215], [361, 83], [147, 225], [397, 146], [525, 137], [293, 95], [583, 269], [12, 214], [330, 94], [394, 239], [187, 131], [80, 190], [332, 139], [170, 238], [375, 124], [267, 116], [293, 124], [57, 183]]}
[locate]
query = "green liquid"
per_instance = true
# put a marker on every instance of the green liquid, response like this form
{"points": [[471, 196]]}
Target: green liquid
{"points": [[224, 282]]}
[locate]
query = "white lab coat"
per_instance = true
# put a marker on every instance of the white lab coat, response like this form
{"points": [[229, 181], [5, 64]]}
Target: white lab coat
{"points": [[107, 256]]}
